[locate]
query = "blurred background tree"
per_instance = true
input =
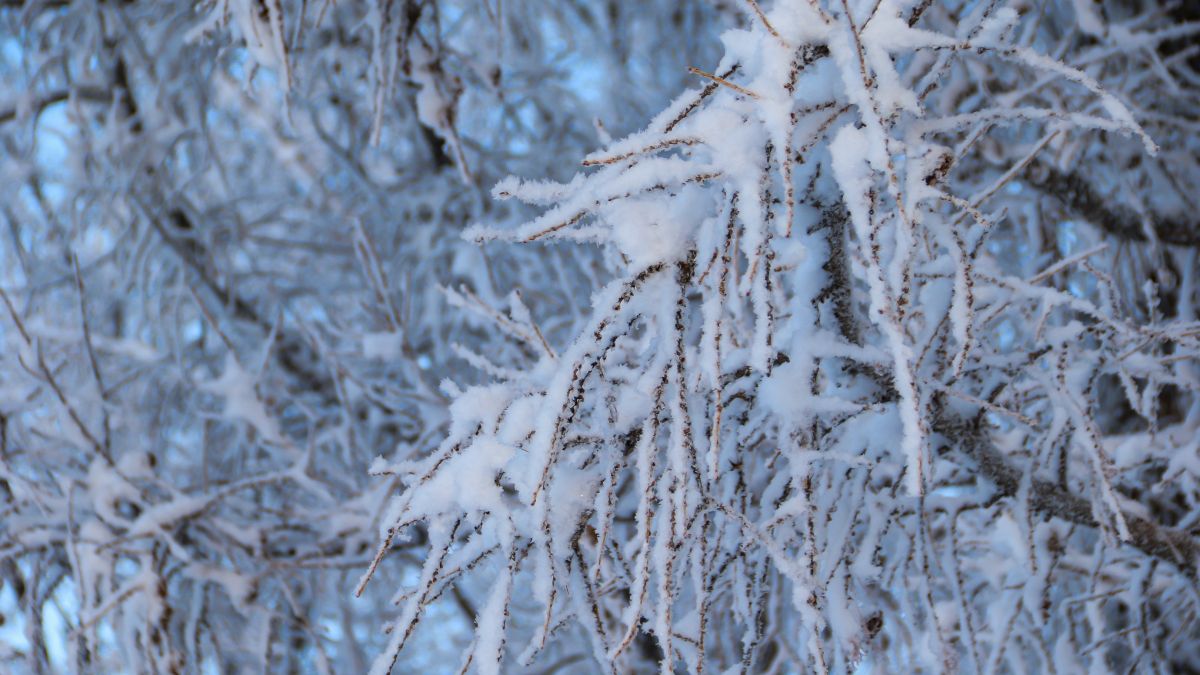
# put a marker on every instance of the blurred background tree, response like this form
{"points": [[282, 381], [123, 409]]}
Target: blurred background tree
{"points": [[227, 227]]}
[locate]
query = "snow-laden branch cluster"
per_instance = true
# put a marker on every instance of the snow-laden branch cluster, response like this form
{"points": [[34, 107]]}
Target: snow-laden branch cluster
{"points": [[838, 403], [877, 348]]}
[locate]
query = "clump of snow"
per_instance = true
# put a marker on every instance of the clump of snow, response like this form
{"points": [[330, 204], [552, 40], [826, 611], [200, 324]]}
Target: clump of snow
{"points": [[386, 345], [656, 229], [241, 400]]}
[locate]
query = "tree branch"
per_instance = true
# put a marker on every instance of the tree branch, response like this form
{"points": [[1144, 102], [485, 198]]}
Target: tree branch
{"points": [[1077, 195], [1170, 545]]}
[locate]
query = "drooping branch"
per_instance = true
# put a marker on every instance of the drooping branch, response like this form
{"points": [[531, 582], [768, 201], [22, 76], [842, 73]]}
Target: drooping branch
{"points": [[1079, 196], [1168, 544]]}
